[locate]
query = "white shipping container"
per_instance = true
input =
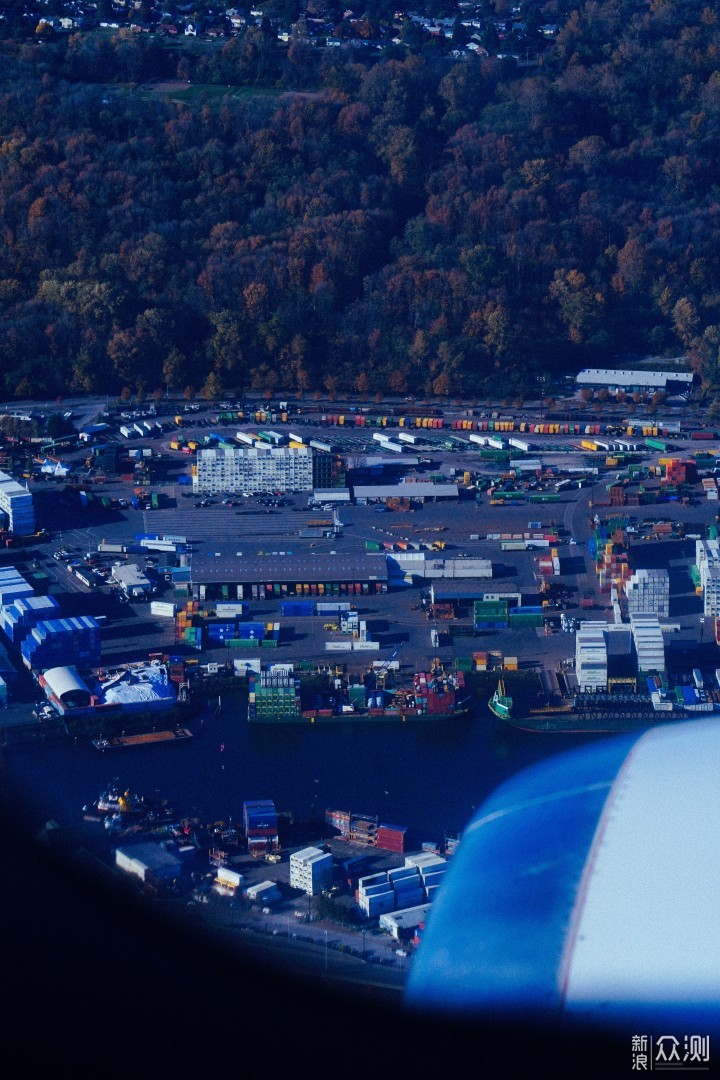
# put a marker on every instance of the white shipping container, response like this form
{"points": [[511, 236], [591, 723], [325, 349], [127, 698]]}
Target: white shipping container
{"points": [[241, 667], [229, 877], [163, 608], [365, 645], [338, 646], [229, 609]]}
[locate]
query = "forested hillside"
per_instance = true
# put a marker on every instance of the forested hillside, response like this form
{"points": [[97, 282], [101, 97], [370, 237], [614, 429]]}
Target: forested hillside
{"points": [[407, 223]]}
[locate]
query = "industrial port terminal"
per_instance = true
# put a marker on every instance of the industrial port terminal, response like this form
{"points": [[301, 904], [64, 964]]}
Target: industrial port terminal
{"points": [[327, 565]]}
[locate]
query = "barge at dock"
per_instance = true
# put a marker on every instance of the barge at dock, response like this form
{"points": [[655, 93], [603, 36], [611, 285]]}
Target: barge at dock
{"points": [[148, 738], [278, 695], [600, 714]]}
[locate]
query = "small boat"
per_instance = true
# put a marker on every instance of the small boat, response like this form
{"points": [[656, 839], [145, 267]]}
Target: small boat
{"points": [[115, 801], [148, 738], [501, 703]]}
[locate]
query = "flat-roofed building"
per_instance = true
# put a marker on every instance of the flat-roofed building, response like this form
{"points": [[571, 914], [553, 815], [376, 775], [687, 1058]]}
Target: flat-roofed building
{"points": [[253, 468], [226, 573], [632, 380]]}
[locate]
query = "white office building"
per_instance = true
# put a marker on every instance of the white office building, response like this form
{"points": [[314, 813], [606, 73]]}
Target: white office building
{"points": [[648, 591], [16, 504], [253, 468], [591, 656], [311, 870]]}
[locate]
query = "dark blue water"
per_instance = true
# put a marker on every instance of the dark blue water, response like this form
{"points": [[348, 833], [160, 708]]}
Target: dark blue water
{"points": [[426, 776]]}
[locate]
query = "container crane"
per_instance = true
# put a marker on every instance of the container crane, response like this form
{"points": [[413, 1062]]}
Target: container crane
{"points": [[382, 671]]}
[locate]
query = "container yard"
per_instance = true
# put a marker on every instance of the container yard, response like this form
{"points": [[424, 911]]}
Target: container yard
{"points": [[254, 570]]}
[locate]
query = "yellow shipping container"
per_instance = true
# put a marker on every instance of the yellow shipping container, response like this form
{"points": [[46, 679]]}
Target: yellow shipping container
{"points": [[511, 663], [588, 444], [341, 419], [611, 462]]}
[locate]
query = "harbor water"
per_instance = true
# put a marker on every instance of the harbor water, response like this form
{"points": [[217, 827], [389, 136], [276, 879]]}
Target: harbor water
{"points": [[427, 776]]}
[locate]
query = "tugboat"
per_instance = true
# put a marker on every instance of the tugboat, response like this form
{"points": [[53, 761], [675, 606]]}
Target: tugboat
{"points": [[501, 703], [115, 801]]}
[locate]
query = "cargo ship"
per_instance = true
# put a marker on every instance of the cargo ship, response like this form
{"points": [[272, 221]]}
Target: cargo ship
{"points": [[147, 738], [606, 714], [278, 695]]}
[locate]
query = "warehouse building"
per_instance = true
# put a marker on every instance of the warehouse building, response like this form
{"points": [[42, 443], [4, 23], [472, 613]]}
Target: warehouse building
{"points": [[254, 468], [671, 382], [133, 582], [417, 564], [17, 511], [423, 490], [226, 574]]}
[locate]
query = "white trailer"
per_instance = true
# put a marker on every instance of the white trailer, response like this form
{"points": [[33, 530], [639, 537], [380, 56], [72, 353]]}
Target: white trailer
{"points": [[243, 437], [520, 444], [481, 440], [126, 432], [406, 437]]}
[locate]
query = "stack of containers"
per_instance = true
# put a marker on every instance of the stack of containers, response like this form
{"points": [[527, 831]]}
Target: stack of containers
{"points": [[274, 697], [19, 617], [272, 635], [13, 586], [490, 613], [260, 823], [613, 568], [63, 643], [340, 820], [525, 615], [391, 837], [675, 471], [710, 487], [249, 633], [297, 608], [408, 890], [375, 895]]}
